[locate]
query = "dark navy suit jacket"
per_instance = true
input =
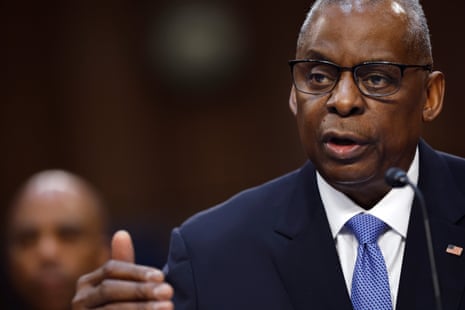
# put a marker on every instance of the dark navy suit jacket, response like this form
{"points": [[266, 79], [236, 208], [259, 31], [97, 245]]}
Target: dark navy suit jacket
{"points": [[271, 248]]}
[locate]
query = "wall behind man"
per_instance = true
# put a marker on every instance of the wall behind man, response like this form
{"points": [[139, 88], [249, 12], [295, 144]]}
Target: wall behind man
{"points": [[117, 92]]}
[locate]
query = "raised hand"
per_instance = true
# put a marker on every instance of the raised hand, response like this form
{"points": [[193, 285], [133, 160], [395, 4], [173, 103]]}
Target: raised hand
{"points": [[121, 284]]}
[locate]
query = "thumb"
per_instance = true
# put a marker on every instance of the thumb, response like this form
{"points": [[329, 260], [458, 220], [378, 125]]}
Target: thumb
{"points": [[121, 247]]}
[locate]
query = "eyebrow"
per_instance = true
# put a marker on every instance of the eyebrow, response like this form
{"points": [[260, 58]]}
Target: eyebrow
{"points": [[312, 54], [315, 55], [28, 227], [73, 228]]}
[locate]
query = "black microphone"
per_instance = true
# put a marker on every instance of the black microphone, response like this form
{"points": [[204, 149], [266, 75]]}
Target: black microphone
{"points": [[396, 177]]}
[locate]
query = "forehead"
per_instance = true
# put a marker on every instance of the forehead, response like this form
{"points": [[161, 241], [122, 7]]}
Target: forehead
{"points": [[355, 32], [52, 209]]}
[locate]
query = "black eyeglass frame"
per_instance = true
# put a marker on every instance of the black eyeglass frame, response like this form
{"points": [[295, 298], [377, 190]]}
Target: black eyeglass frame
{"points": [[402, 67]]}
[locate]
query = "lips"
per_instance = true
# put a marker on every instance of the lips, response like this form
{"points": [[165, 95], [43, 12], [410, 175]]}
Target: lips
{"points": [[346, 147], [50, 280]]}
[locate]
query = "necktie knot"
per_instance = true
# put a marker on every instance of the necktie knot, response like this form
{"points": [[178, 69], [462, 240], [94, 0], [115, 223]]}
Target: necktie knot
{"points": [[366, 228]]}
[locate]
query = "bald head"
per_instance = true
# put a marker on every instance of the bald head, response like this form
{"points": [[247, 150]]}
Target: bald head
{"points": [[72, 191], [56, 232], [416, 37]]}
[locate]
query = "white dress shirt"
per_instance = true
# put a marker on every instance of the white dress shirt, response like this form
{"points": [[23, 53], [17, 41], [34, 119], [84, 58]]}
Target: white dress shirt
{"points": [[393, 209]]}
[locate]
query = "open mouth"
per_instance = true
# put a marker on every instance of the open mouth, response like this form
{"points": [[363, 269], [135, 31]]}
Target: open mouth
{"points": [[344, 148], [342, 141]]}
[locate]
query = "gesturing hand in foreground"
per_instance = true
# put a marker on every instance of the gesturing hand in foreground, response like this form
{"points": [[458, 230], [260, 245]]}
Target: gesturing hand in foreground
{"points": [[121, 284]]}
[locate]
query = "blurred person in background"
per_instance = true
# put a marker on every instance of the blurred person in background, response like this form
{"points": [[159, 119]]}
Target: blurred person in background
{"points": [[56, 231]]}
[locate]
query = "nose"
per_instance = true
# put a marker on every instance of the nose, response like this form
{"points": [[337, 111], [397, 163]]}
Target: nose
{"points": [[48, 248], [346, 99]]}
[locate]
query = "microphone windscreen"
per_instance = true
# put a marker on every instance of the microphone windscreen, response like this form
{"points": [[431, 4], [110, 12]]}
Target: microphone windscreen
{"points": [[396, 177]]}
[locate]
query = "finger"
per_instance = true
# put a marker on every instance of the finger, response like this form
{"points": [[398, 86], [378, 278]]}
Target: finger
{"points": [[117, 291], [121, 247], [114, 269], [154, 305]]}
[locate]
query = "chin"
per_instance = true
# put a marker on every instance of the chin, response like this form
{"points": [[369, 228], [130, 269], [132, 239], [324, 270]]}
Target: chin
{"points": [[349, 179]]}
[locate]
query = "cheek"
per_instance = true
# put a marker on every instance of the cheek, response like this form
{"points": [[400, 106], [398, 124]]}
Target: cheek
{"points": [[402, 127], [22, 270], [310, 116], [82, 257], [22, 262], [398, 129]]}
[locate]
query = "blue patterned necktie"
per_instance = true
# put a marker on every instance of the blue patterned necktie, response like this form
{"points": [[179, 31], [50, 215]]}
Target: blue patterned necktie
{"points": [[370, 282]]}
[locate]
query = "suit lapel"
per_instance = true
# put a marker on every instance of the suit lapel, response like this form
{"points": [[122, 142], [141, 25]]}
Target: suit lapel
{"points": [[445, 206], [304, 252], [307, 261]]}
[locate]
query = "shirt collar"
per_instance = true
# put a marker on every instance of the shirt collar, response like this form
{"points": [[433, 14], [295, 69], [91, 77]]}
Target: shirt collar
{"points": [[393, 209]]}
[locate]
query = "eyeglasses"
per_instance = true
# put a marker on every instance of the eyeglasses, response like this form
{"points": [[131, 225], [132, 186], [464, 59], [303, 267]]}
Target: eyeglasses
{"points": [[375, 79]]}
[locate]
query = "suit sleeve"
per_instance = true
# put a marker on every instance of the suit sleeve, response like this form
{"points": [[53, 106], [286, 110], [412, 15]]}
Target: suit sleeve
{"points": [[178, 271]]}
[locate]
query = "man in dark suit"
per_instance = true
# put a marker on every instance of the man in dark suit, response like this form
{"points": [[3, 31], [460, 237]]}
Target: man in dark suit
{"points": [[363, 88]]}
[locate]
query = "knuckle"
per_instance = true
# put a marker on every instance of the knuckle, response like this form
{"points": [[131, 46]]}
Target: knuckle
{"points": [[108, 268], [76, 301], [79, 300], [163, 291], [83, 280], [141, 291], [104, 289]]}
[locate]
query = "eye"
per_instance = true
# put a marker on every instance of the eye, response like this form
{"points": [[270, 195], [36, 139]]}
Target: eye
{"points": [[318, 78], [377, 80], [378, 77], [320, 75], [70, 234], [25, 238], [315, 77]]}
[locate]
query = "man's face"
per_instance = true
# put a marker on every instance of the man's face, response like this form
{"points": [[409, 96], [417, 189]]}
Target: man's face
{"points": [[54, 238], [352, 138]]}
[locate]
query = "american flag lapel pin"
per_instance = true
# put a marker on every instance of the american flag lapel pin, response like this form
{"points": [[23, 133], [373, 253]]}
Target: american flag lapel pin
{"points": [[454, 250]]}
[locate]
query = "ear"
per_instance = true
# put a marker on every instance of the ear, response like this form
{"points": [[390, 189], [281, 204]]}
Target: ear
{"points": [[435, 96], [293, 101]]}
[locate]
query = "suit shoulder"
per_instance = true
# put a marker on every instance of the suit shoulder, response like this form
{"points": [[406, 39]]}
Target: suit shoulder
{"points": [[451, 158], [455, 164], [455, 168]]}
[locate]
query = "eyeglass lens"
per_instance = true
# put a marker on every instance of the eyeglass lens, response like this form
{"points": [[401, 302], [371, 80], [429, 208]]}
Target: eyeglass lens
{"points": [[315, 77]]}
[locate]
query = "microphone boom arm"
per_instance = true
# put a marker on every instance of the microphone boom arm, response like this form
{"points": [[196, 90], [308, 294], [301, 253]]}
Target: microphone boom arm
{"points": [[396, 177]]}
